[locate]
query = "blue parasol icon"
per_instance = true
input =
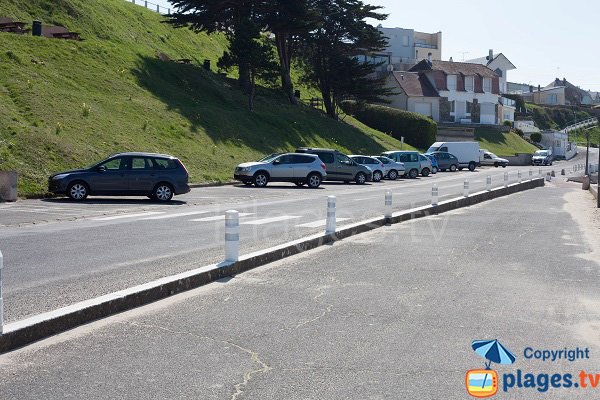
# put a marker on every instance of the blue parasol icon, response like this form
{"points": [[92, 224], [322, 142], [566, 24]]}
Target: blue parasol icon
{"points": [[493, 351]]}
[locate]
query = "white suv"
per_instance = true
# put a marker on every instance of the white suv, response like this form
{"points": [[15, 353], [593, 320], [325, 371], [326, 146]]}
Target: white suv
{"points": [[287, 167]]}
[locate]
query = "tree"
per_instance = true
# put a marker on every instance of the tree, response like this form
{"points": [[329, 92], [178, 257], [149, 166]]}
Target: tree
{"points": [[329, 53], [249, 50], [230, 17], [288, 20]]}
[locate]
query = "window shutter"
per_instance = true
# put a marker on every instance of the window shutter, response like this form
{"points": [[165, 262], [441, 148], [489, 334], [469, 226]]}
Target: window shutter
{"points": [[496, 85]]}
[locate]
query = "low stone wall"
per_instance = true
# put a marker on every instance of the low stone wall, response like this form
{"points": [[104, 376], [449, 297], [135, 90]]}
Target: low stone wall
{"points": [[520, 159], [8, 186]]}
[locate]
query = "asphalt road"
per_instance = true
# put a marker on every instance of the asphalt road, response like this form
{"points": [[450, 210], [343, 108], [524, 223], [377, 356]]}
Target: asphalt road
{"points": [[384, 315], [57, 252]]}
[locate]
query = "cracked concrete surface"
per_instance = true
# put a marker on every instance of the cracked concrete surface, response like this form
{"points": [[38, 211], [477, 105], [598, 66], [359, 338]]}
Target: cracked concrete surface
{"points": [[385, 315]]}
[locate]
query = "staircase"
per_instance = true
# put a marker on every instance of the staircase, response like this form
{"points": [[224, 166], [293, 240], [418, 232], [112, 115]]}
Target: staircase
{"points": [[580, 125]]}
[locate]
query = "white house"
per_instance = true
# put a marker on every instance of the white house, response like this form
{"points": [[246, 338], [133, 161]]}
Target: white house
{"points": [[452, 92], [498, 63]]}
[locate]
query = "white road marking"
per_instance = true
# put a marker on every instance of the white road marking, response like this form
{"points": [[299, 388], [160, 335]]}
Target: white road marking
{"points": [[183, 214], [321, 222], [144, 214], [217, 218], [270, 220]]}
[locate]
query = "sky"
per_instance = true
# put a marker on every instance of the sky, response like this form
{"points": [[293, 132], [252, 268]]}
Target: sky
{"points": [[544, 39]]}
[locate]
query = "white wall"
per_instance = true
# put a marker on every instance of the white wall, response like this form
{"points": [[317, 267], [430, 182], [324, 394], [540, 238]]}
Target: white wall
{"points": [[434, 103]]}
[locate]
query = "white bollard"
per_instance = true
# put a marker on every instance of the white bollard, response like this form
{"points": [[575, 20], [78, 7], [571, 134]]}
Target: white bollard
{"points": [[506, 179], [388, 204], [548, 177], [553, 173], [466, 188], [488, 183], [520, 176], [434, 195], [1, 298], [232, 236], [330, 226]]}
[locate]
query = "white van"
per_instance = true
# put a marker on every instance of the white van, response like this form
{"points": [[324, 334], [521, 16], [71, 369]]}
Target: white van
{"points": [[466, 152]]}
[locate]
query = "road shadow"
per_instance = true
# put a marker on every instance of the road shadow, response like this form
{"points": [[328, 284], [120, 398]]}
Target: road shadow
{"points": [[277, 187], [113, 201]]}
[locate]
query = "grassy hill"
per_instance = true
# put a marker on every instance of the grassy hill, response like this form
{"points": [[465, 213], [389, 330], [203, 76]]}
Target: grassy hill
{"points": [[65, 104], [502, 144]]}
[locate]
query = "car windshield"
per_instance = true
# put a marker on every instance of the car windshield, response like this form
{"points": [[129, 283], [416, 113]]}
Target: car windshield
{"points": [[541, 153], [432, 149], [269, 158]]}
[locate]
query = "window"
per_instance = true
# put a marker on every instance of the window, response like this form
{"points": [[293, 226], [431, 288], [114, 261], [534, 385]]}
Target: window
{"points": [[469, 107], [327, 158], [342, 159], [408, 157], [164, 163], [444, 149], [405, 41], [469, 83], [553, 99], [298, 159], [453, 106], [451, 82], [114, 164], [139, 163], [487, 156], [487, 85], [287, 159], [499, 72]]}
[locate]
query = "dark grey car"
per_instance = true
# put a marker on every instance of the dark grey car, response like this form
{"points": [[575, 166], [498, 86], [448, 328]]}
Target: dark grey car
{"points": [[158, 176], [445, 160]]}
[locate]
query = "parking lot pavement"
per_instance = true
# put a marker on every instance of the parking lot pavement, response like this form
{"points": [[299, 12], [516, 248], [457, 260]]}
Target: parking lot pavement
{"points": [[388, 314]]}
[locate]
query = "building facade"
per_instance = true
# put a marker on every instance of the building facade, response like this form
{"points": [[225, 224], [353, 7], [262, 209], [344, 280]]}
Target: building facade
{"points": [[406, 46]]}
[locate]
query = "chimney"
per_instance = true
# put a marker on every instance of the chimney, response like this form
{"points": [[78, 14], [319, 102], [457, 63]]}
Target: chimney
{"points": [[539, 88], [564, 82], [451, 59], [490, 57], [402, 76]]}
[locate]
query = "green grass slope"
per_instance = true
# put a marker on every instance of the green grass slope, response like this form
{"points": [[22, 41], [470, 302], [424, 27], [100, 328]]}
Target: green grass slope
{"points": [[65, 104], [502, 144]]}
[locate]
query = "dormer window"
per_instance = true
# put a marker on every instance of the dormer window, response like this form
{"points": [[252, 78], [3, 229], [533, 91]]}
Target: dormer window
{"points": [[487, 85], [451, 82], [469, 83]]}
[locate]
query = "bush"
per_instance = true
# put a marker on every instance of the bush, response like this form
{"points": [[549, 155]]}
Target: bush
{"points": [[536, 137], [507, 123], [519, 132], [418, 130]]}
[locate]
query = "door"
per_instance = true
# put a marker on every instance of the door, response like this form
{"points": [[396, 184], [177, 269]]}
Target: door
{"points": [[443, 161], [488, 113], [142, 175], [423, 109], [303, 165], [111, 177], [282, 168], [345, 168]]}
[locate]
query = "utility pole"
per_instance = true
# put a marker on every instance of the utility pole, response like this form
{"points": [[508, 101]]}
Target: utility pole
{"points": [[587, 153]]}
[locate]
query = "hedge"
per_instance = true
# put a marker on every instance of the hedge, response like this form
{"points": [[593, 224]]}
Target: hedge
{"points": [[418, 130]]}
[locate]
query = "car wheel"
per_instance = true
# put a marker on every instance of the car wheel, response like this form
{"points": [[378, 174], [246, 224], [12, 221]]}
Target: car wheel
{"points": [[413, 173], [425, 172], [496, 164], [434, 170], [299, 184], [314, 180], [360, 178], [393, 175], [472, 166], [77, 191], [261, 179], [550, 162], [162, 192], [377, 176], [453, 168]]}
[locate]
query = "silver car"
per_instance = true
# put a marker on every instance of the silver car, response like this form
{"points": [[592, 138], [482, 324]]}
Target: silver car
{"points": [[376, 166], [392, 169], [286, 167]]}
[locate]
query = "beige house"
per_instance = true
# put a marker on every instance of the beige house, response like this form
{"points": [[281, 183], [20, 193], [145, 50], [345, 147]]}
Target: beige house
{"points": [[552, 96], [415, 94]]}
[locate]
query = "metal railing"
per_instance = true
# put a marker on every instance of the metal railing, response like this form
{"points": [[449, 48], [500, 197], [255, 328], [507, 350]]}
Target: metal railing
{"points": [[152, 6], [581, 124]]}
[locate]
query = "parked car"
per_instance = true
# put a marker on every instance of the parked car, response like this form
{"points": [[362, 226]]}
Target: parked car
{"points": [[489, 158], [434, 164], [286, 167], [414, 163], [339, 166], [376, 166], [542, 157], [158, 176], [445, 161], [466, 152], [392, 168]]}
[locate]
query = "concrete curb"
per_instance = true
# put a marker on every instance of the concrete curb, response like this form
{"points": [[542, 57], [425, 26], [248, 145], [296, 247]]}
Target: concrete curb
{"points": [[212, 184], [24, 332]]}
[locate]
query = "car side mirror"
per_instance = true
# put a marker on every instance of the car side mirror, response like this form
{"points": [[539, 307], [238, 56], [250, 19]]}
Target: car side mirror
{"points": [[101, 169], [276, 162]]}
